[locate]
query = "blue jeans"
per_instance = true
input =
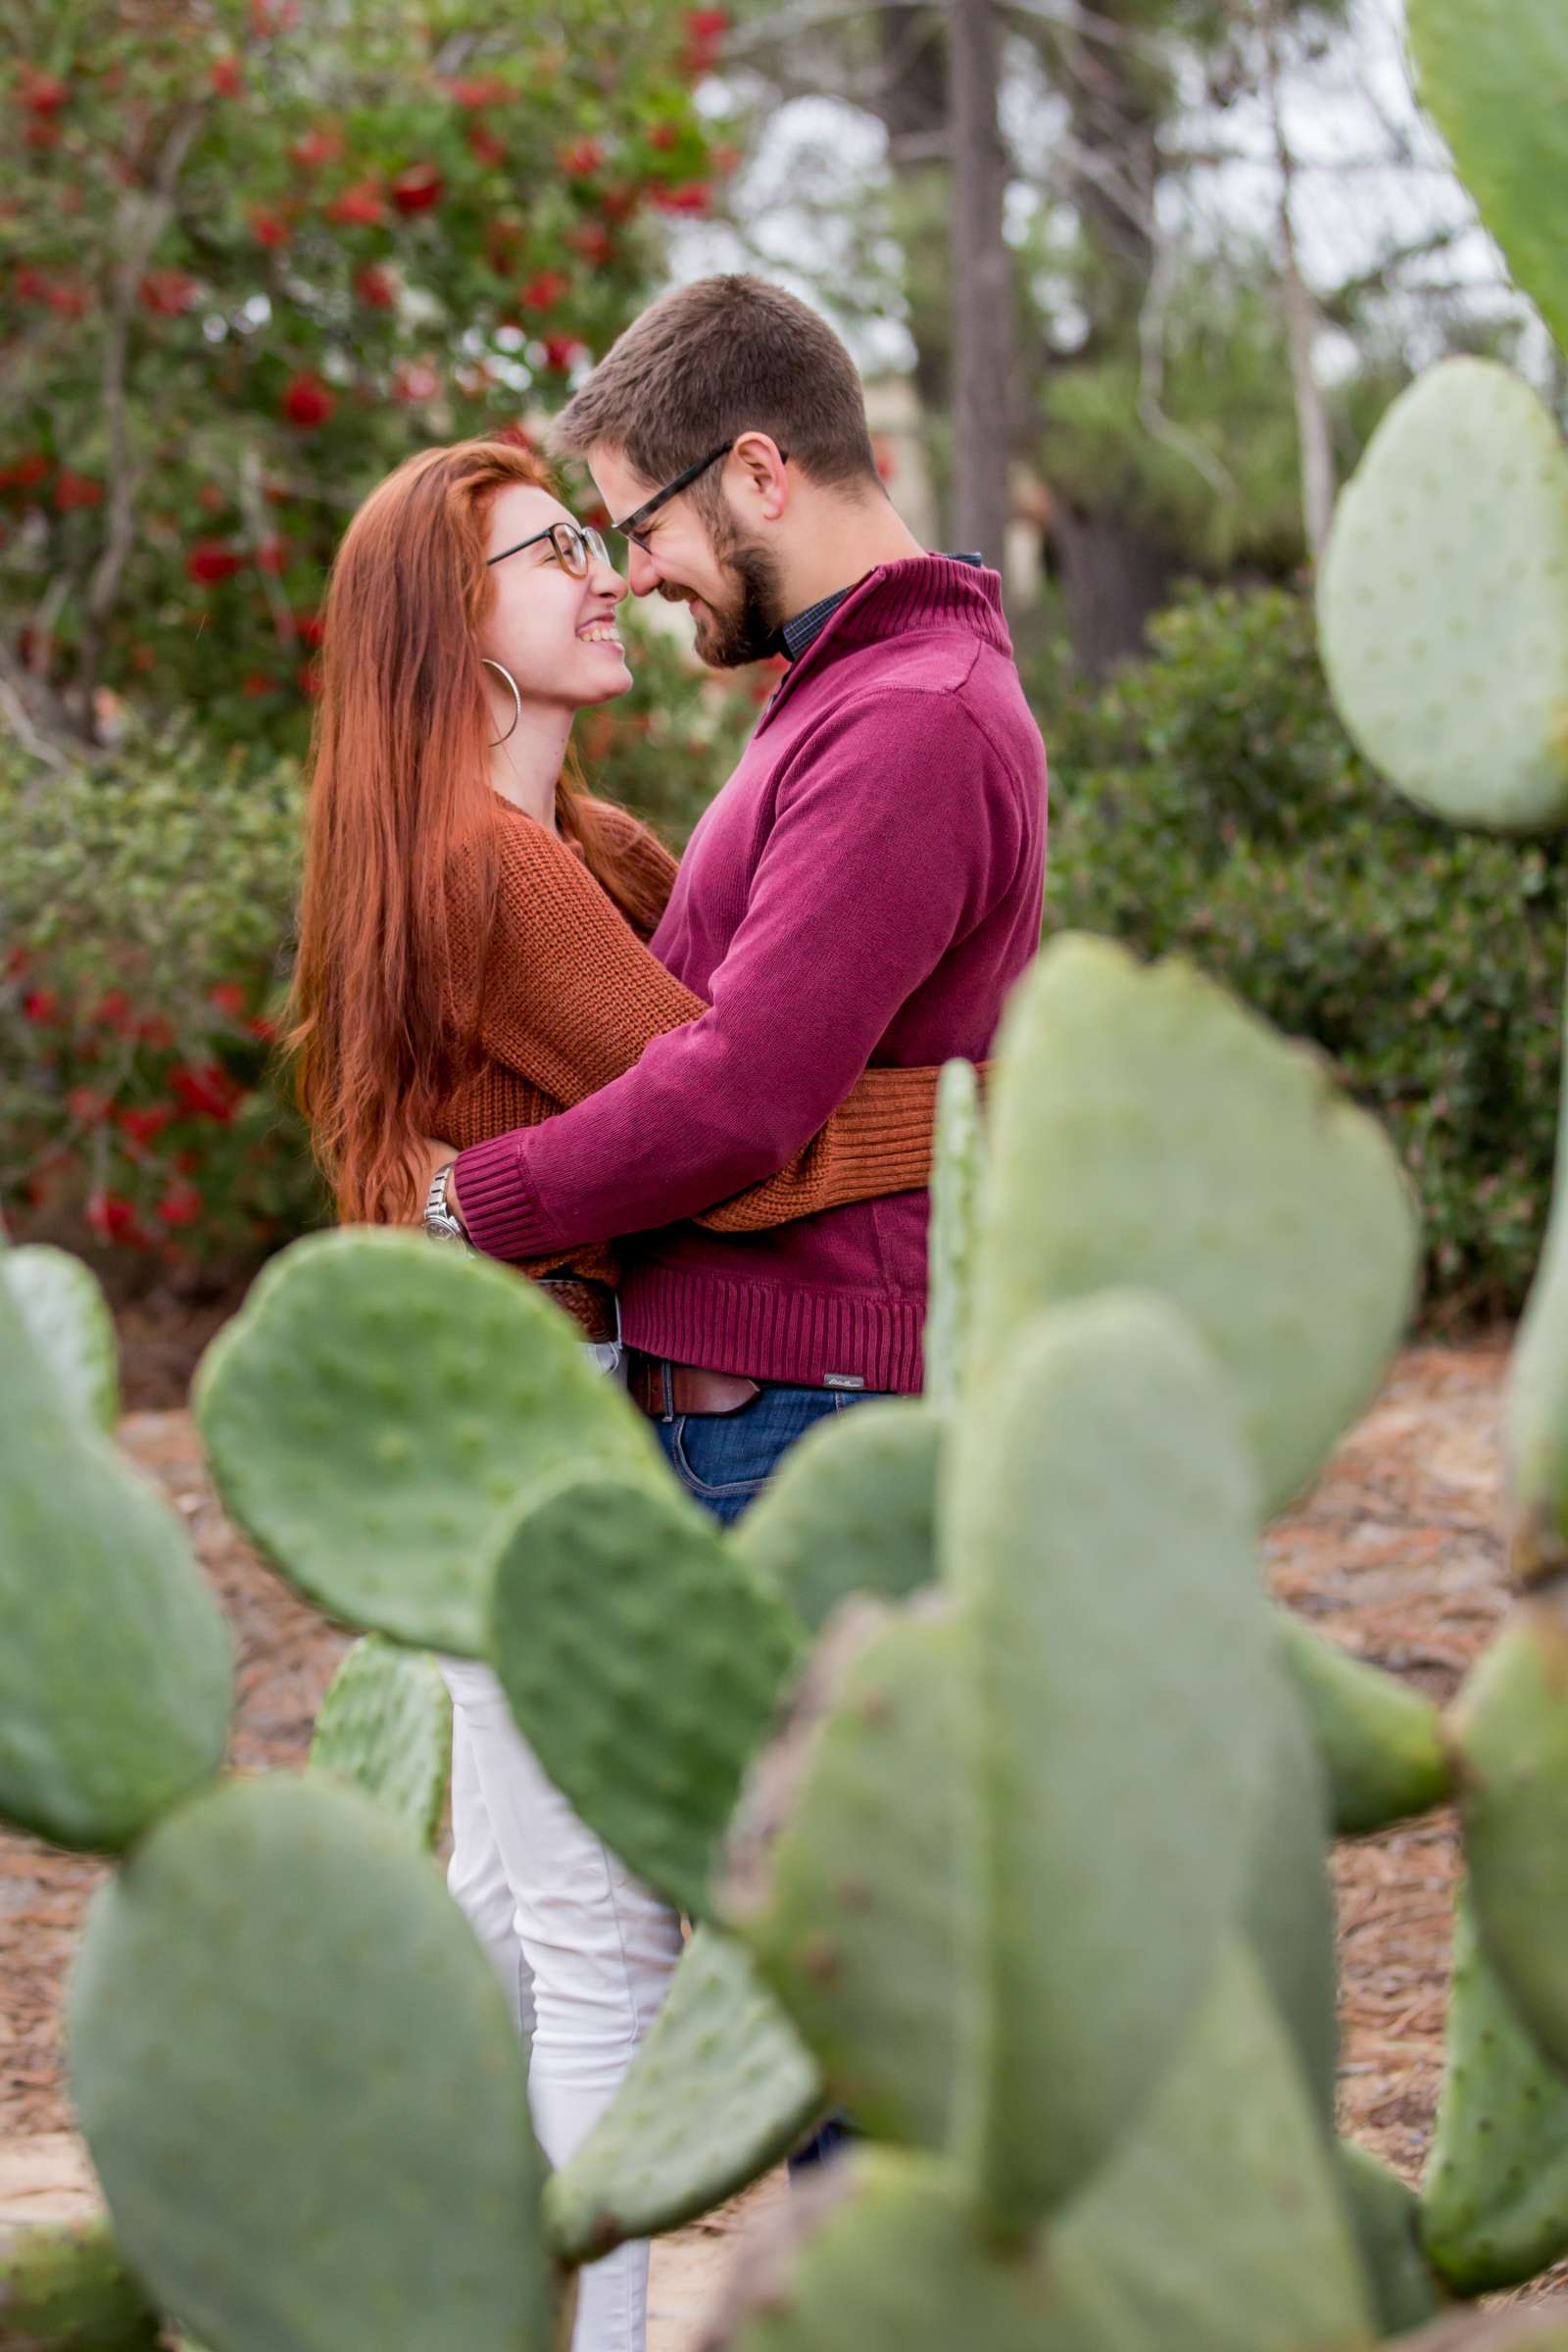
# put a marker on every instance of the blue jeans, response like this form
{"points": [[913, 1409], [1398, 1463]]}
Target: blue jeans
{"points": [[724, 1461]]}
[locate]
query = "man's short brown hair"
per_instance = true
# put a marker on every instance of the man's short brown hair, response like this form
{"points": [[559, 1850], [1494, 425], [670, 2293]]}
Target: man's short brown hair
{"points": [[712, 361]]}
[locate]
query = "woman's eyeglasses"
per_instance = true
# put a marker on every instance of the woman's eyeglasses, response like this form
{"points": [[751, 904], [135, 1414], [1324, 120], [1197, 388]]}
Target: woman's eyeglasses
{"points": [[576, 547]]}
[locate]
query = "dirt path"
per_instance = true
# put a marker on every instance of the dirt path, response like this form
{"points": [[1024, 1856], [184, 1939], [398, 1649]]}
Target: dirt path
{"points": [[1398, 1554]]}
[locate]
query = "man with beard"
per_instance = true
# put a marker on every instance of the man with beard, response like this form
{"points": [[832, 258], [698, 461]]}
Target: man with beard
{"points": [[865, 888]]}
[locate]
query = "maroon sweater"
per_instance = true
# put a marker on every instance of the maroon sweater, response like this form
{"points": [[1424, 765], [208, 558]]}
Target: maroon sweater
{"points": [[866, 888]]}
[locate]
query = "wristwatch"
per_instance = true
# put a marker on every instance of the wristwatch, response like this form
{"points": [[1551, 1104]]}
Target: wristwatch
{"points": [[441, 1220]]}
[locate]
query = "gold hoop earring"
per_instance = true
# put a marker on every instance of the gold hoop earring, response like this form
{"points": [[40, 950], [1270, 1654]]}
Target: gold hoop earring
{"points": [[487, 664]]}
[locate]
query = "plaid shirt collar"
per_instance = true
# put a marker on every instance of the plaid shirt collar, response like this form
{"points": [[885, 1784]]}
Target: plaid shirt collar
{"points": [[806, 627]]}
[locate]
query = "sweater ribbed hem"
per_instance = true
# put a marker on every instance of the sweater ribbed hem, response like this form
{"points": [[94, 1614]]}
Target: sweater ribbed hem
{"points": [[498, 1201], [773, 1332]]}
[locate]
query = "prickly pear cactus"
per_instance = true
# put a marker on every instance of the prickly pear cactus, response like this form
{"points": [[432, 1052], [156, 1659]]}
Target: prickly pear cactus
{"points": [[67, 2290], [69, 1324], [385, 1726], [1381, 1741], [958, 1162], [852, 1508]]}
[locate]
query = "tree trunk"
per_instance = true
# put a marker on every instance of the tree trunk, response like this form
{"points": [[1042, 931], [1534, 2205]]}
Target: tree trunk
{"points": [[1115, 574], [982, 323]]}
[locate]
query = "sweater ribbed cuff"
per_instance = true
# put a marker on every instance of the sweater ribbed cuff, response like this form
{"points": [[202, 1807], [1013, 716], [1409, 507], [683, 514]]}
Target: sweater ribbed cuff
{"points": [[498, 1202]]}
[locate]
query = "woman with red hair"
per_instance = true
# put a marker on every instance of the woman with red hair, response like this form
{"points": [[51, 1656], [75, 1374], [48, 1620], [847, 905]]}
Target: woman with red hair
{"points": [[471, 960]]}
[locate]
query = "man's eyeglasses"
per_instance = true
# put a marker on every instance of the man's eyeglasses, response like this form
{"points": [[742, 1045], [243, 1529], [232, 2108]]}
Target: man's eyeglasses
{"points": [[633, 527], [576, 547]]}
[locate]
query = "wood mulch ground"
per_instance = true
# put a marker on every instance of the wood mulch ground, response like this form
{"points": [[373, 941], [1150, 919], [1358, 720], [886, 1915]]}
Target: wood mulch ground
{"points": [[1398, 1555]]}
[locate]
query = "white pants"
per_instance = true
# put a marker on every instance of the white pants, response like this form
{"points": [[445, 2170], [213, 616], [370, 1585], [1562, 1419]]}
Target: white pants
{"points": [[584, 1949]]}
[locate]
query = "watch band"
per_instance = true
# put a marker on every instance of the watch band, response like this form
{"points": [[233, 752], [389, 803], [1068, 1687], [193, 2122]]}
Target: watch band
{"points": [[441, 1219]]}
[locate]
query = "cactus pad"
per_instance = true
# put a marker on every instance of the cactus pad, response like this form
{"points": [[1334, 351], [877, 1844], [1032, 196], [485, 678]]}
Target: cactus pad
{"points": [[1381, 1741], [1102, 1537], [722, 2089], [850, 1509], [70, 1325], [1493, 79], [1287, 1915], [866, 1864], [1443, 605], [67, 2290], [957, 1164], [1385, 2216], [380, 1407], [1495, 2200], [1511, 1727], [115, 1669], [385, 1726], [1208, 1160], [643, 1660], [277, 2014]]}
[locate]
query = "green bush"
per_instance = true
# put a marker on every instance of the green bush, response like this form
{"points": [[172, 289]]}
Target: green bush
{"points": [[1209, 803]]}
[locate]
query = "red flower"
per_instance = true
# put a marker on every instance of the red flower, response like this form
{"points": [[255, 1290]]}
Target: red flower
{"points": [[376, 285], [181, 1204], [619, 204], [167, 293], [483, 144], [418, 188], [362, 206], [316, 147], [491, 90], [206, 1090], [542, 293], [271, 555], [113, 1011], [87, 1106], [707, 23], [67, 301], [270, 228], [665, 136], [25, 473], [582, 158], [73, 490], [228, 997], [263, 1028], [227, 79], [144, 1126], [308, 627], [40, 93], [155, 1032], [561, 351], [307, 401], [695, 197], [113, 1218], [413, 381], [593, 242], [255, 685], [210, 560]]}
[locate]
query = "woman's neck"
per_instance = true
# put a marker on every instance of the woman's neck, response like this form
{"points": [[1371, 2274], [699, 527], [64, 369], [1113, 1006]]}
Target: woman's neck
{"points": [[525, 767]]}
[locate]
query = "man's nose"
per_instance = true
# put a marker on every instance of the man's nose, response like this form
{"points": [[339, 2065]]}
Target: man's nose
{"points": [[641, 570]]}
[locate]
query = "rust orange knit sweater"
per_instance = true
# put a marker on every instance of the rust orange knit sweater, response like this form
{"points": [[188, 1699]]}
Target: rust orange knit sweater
{"points": [[572, 996]]}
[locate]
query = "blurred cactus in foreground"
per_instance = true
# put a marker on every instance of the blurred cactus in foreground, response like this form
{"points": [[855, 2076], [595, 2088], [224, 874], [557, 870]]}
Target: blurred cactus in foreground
{"points": [[1019, 1856]]}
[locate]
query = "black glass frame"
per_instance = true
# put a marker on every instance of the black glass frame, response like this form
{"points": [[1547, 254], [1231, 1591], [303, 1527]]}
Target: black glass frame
{"points": [[632, 526], [592, 542]]}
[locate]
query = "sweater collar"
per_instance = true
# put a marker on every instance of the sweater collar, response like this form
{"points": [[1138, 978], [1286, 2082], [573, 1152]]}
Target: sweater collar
{"points": [[942, 593]]}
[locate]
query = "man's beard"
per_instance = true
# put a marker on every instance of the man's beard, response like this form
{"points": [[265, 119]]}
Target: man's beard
{"points": [[748, 630]]}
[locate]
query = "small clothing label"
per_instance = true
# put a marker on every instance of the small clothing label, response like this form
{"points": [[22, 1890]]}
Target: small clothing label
{"points": [[842, 1379]]}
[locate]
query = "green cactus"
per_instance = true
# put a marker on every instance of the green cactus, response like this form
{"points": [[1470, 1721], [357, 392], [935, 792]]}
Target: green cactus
{"points": [[852, 1508], [1101, 1541], [380, 1407], [957, 1164], [1385, 2216], [1287, 1914], [1495, 2200], [1510, 1727], [1209, 1160], [873, 1784], [1380, 1741], [1493, 77], [70, 1326], [385, 1726], [722, 2089], [1443, 601], [644, 1661], [115, 1669], [67, 2290], [300, 2088]]}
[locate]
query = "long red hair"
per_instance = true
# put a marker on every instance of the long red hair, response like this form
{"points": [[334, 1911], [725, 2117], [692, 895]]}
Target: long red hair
{"points": [[398, 777]]}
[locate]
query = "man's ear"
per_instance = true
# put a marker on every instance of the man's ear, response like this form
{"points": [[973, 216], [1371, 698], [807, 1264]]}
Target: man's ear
{"points": [[765, 478]]}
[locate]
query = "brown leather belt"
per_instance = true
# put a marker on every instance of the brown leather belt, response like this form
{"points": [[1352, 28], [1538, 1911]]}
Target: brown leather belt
{"points": [[590, 1304], [689, 1389]]}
